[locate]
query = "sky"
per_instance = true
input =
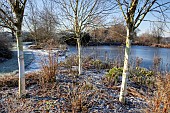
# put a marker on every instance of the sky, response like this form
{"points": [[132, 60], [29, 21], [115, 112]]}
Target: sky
{"points": [[145, 26]]}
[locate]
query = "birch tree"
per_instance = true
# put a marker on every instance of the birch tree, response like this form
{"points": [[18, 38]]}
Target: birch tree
{"points": [[11, 16], [134, 12], [78, 15]]}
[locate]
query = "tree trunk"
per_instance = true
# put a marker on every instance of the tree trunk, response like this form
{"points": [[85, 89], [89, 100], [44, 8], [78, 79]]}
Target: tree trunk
{"points": [[35, 36], [79, 56], [159, 38], [20, 63], [125, 74]]}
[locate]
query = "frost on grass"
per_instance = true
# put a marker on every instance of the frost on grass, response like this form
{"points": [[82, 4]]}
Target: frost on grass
{"points": [[86, 93]]}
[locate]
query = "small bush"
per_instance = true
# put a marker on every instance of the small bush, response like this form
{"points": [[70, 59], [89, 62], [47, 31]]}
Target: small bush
{"points": [[90, 63], [138, 75], [142, 76], [97, 64], [114, 74], [49, 67], [87, 63]]}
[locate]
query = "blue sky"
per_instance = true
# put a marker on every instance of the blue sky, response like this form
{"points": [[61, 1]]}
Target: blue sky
{"points": [[147, 26]]}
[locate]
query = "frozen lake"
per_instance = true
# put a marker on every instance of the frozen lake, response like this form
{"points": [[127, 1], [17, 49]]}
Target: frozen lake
{"points": [[146, 53]]}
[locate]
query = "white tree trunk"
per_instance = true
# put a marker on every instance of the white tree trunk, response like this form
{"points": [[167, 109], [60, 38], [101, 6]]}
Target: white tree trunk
{"points": [[125, 74], [20, 64], [79, 56]]}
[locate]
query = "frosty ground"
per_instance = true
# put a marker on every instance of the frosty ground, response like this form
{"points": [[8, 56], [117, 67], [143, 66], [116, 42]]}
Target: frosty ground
{"points": [[86, 93]]}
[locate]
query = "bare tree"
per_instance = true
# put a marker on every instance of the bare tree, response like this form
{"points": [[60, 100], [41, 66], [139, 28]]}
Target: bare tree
{"points": [[42, 23], [78, 16], [108, 34], [11, 16], [116, 34], [134, 12], [157, 31], [145, 38], [32, 22]]}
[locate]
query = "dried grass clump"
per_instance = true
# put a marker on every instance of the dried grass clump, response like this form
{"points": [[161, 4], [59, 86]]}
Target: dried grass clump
{"points": [[80, 97], [161, 100], [49, 67], [71, 61], [156, 63]]}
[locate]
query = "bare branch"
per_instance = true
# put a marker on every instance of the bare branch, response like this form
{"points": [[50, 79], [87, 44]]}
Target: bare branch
{"points": [[121, 8], [142, 16]]}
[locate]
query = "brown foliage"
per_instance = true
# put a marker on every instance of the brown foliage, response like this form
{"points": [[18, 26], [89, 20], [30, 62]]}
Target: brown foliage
{"points": [[145, 39], [12, 81], [161, 100], [116, 33]]}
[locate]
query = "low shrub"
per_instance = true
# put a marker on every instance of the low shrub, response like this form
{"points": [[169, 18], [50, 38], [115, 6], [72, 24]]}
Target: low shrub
{"points": [[142, 76], [49, 67], [138, 75], [95, 64], [87, 63], [114, 74], [70, 61]]}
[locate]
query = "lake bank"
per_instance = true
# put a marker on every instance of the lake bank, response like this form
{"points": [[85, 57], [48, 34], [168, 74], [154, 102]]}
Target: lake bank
{"points": [[152, 45], [122, 44]]}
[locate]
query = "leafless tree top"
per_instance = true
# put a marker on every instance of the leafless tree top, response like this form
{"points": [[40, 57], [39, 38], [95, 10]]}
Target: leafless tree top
{"points": [[11, 13], [86, 12], [140, 8]]}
